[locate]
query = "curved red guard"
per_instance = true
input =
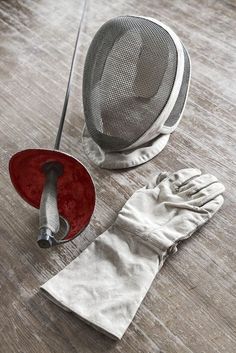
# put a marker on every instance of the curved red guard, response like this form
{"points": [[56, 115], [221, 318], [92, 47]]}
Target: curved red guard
{"points": [[75, 188]]}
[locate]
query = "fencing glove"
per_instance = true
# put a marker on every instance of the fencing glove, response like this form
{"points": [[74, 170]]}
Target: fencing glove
{"points": [[106, 284]]}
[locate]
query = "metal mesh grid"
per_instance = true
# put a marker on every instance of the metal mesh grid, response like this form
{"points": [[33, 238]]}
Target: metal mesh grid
{"points": [[129, 73], [179, 104]]}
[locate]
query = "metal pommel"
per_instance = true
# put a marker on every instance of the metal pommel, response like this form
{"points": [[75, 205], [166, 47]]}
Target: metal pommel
{"points": [[45, 238]]}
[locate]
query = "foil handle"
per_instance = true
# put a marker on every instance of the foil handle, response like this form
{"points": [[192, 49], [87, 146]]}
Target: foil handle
{"points": [[49, 220]]}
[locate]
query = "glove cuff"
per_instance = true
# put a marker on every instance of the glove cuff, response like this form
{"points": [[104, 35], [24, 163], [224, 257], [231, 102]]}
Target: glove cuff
{"points": [[106, 284]]}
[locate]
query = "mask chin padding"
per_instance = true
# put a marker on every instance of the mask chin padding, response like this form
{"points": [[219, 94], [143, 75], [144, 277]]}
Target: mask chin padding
{"points": [[123, 159]]}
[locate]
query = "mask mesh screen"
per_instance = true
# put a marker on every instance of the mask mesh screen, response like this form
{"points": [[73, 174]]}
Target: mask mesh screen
{"points": [[179, 104], [129, 73]]}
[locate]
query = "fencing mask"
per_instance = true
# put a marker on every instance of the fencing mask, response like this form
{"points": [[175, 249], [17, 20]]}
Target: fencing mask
{"points": [[135, 85]]}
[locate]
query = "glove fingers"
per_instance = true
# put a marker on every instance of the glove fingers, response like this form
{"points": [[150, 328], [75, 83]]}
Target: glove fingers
{"points": [[198, 183], [214, 205], [183, 176], [207, 194], [156, 180]]}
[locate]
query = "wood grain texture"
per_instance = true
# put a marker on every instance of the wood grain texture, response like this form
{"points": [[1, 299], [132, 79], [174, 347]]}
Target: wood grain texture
{"points": [[191, 306]]}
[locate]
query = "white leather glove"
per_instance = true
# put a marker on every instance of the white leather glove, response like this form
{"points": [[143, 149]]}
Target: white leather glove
{"points": [[106, 284]]}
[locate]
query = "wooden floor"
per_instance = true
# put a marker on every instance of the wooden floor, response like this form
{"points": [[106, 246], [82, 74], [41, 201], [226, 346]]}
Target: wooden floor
{"points": [[191, 306]]}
